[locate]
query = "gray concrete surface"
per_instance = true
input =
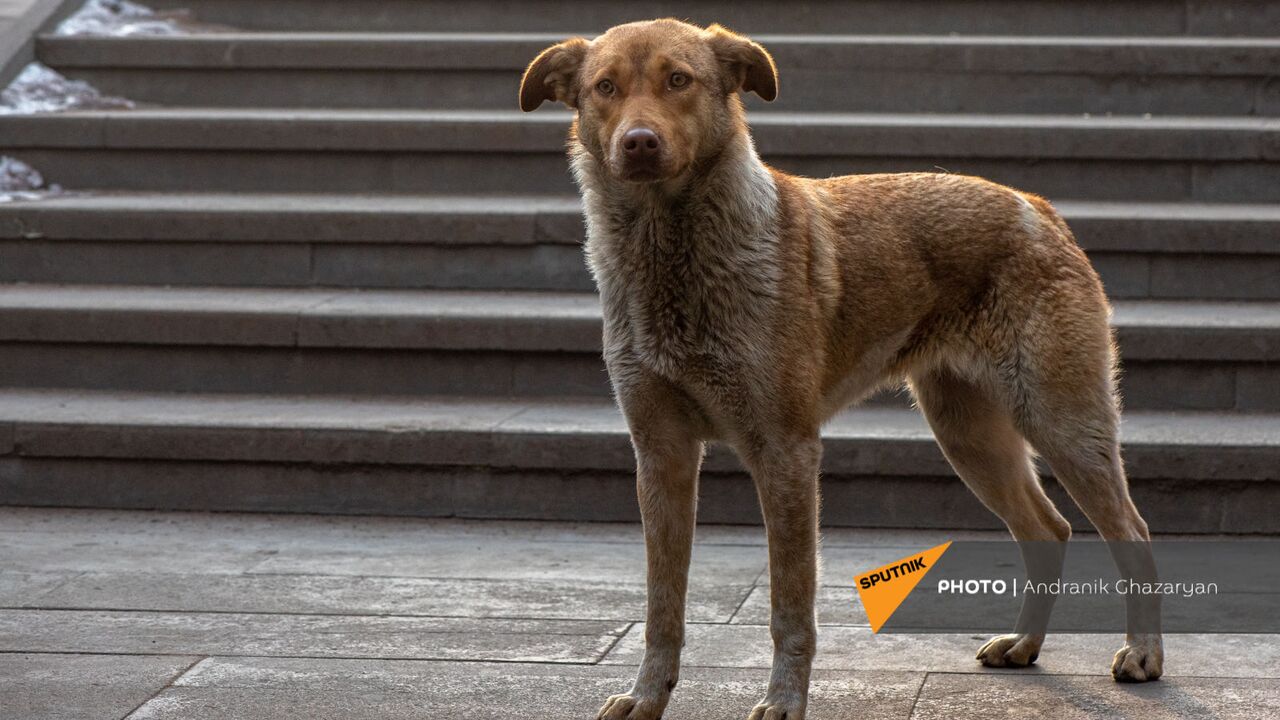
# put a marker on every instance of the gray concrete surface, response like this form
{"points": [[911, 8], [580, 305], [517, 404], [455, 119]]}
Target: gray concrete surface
{"points": [[1141, 250], [485, 343], [421, 176], [552, 458], [1034, 17], [143, 615], [1218, 159], [915, 73]]}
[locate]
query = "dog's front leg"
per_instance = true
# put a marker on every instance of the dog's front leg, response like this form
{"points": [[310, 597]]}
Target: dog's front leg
{"points": [[668, 456], [786, 477]]}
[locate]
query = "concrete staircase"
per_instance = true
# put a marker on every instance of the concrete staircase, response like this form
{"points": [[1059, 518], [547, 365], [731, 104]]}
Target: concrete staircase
{"points": [[329, 267]]}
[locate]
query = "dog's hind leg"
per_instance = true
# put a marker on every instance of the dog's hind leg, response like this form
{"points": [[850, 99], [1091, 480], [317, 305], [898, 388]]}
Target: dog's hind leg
{"points": [[980, 440], [1076, 432], [1070, 413]]}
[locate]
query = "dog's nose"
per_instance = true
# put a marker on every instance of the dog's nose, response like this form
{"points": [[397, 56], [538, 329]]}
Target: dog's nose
{"points": [[641, 144]]}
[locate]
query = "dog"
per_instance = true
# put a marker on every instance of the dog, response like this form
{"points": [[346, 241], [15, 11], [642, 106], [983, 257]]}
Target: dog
{"points": [[745, 305]]}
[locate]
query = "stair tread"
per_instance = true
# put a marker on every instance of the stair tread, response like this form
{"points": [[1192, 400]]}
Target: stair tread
{"points": [[1160, 55], [556, 116], [414, 37], [494, 320], [272, 301], [822, 134], [524, 219], [327, 203], [540, 415], [1263, 314], [907, 73], [1234, 17]]}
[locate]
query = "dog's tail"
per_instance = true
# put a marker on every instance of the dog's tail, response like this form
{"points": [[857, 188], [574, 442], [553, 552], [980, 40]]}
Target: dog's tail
{"points": [[1050, 213]]}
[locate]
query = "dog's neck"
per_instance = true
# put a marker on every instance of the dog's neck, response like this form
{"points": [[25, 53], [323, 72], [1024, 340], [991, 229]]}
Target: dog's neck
{"points": [[688, 266]]}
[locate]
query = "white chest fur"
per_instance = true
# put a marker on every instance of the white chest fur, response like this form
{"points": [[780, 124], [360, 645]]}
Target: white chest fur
{"points": [[688, 278]]}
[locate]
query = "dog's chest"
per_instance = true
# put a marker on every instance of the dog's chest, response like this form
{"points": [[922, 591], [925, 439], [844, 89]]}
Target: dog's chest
{"points": [[685, 294]]}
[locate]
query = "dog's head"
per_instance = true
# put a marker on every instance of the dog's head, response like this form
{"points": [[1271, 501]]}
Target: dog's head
{"points": [[652, 97]]}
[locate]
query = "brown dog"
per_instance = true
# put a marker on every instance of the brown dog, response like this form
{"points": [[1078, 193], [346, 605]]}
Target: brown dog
{"points": [[745, 305]]}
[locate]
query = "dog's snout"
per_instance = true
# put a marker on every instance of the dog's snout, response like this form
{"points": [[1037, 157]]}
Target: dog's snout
{"points": [[641, 144]]}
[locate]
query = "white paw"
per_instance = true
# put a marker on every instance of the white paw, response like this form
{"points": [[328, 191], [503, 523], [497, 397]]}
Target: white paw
{"points": [[631, 707], [1139, 660], [1010, 650], [783, 709]]}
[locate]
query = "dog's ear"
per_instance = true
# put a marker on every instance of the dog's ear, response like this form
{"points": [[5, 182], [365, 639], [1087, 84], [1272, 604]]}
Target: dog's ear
{"points": [[553, 75], [747, 65]]}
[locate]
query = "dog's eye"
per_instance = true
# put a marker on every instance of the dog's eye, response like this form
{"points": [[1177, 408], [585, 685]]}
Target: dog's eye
{"points": [[679, 80], [605, 87]]}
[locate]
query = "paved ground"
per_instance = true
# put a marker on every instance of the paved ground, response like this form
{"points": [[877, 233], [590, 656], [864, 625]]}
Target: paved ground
{"points": [[108, 614]]}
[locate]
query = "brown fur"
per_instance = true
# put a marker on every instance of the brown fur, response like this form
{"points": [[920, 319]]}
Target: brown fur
{"points": [[746, 305]]}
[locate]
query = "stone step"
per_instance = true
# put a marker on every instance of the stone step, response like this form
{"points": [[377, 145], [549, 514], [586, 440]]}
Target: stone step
{"points": [[1142, 250], [553, 458], [1003, 17], [255, 150], [1177, 355], [845, 73]]}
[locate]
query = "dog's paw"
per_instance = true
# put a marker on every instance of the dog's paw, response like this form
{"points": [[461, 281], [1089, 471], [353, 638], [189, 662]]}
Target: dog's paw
{"points": [[631, 707], [1012, 651], [779, 709], [1140, 660]]}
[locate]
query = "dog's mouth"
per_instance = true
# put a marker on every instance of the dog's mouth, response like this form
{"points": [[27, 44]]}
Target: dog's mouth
{"points": [[648, 172], [642, 174]]}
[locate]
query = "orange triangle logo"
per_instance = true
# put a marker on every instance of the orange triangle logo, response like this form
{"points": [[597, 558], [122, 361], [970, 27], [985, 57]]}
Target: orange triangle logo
{"points": [[882, 590]]}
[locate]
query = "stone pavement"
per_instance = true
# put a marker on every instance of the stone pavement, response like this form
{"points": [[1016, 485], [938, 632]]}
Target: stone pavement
{"points": [[110, 614]]}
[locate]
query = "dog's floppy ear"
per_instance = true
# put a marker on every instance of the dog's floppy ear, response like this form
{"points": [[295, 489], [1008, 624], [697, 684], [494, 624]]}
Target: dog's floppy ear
{"points": [[747, 65], [553, 75]]}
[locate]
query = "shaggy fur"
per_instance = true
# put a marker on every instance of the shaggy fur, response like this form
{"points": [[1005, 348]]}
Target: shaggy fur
{"points": [[745, 305]]}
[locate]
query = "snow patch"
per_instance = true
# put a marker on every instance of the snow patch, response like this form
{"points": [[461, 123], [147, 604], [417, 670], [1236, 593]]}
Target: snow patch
{"points": [[40, 89], [20, 181], [121, 18]]}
